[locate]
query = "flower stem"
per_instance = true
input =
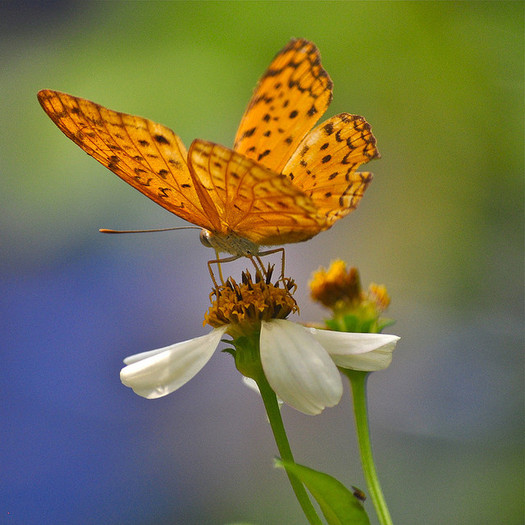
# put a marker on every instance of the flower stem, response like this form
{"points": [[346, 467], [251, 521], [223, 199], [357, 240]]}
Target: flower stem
{"points": [[276, 422], [358, 383]]}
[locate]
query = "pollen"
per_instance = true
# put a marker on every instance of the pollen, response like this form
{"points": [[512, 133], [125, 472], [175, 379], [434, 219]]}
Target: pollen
{"points": [[244, 305]]}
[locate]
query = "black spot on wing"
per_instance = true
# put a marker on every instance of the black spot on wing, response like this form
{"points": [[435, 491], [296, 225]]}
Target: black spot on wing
{"points": [[161, 139], [263, 154]]}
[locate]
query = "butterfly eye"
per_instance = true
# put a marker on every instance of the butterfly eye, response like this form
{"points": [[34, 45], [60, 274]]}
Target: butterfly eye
{"points": [[205, 238]]}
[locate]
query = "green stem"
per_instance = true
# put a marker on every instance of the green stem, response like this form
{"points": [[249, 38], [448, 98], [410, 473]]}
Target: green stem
{"points": [[276, 422], [358, 384]]}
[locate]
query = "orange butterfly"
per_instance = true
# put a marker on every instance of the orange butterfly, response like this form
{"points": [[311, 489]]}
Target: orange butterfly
{"points": [[283, 181]]}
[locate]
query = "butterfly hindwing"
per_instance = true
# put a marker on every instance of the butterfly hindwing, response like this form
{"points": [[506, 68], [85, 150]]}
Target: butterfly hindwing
{"points": [[253, 201], [325, 163]]}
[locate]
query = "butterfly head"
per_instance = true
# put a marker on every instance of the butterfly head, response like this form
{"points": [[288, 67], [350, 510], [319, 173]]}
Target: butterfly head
{"points": [[228, 243]]}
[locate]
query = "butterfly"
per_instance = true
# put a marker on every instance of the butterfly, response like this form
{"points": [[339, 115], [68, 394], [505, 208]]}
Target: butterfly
{"points": [[283, 182]]}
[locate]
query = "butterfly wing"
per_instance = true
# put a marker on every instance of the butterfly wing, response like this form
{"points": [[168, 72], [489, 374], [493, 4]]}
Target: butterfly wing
{"points": [[289, 99], [146, 155], [325, 163], [253, 202]]}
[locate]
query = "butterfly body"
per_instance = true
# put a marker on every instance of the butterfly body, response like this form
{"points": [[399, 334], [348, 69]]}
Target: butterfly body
{"points": [[282, 182], [229, 243]]}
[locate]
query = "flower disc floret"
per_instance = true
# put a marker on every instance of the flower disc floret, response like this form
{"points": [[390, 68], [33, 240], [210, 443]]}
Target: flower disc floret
{"points": [[247, 304], [336, 286]]}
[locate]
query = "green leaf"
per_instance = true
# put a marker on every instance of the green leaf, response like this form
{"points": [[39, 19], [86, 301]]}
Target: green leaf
{"points": [[339, 505]]}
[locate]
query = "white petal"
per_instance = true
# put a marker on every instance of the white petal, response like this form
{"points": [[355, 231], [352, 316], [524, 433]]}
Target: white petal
{"points": [[251, 384], [159, 372], [298, 368], [139, 357], [367, 352]]}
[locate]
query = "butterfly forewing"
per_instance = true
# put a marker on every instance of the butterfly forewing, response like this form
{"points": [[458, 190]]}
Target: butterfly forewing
{"points": [[325, 163], [147, 155], [254, 202], [289, 99]]}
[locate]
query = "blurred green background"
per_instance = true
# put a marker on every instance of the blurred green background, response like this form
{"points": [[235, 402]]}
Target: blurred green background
{"points": [[441, 225]]}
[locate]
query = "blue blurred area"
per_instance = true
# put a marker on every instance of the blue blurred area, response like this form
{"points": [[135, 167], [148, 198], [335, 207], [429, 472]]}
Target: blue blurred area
{"points": [[441, 226]]}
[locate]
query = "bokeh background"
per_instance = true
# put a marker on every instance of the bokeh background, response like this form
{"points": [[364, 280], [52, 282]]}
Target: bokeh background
{"points": [[441, 225]]}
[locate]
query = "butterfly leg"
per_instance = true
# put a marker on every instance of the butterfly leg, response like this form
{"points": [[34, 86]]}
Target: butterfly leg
{"points": [[219, 267], [259, 266], [261, 269], [212, 275], [270, 252], [218, 262]]}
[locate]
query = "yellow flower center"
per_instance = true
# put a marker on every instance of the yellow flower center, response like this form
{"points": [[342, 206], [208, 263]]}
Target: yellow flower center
{"points": [[336, 286], [244, 305]]}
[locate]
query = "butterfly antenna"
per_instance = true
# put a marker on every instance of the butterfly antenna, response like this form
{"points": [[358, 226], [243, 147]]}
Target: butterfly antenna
{"points": [[105, 230]]}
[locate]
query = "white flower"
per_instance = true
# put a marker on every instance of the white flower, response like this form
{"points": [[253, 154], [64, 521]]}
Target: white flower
{"points": [[300, 363]]}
